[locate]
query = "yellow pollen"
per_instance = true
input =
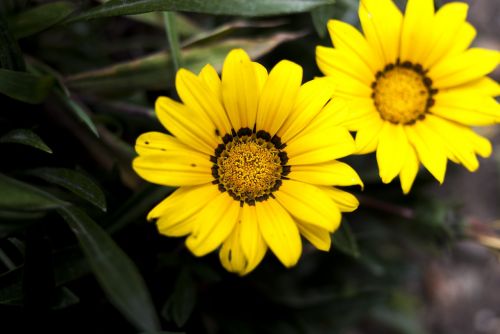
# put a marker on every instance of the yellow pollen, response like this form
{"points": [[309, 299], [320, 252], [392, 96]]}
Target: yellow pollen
{"points": [[249, 167], [401, 95]]}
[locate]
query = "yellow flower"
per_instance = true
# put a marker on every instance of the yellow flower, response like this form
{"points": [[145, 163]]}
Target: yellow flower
{"points": [[254, 157], [414, 87]]}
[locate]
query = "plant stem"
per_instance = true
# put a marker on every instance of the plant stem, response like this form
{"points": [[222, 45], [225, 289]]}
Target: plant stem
{"points": [[173, 39]]}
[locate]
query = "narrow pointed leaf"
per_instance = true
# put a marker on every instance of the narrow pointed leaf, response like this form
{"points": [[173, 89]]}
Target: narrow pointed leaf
{"points": [[21, 196], [25, 137], [24, 86], [220, 7], [76, 182], [116, 273], [40, 18], [79, 111], [155, 71]]}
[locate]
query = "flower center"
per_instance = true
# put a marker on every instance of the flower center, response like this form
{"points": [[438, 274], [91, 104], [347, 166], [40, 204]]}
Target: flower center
{"points": [[249, 165], [402, 93]]}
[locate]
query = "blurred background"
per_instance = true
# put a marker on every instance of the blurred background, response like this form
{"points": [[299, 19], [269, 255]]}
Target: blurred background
{"points": [[76, 252]]}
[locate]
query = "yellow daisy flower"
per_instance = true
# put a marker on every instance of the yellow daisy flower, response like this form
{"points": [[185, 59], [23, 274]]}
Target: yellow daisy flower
{"points": [[415, 88], [254, 156]]}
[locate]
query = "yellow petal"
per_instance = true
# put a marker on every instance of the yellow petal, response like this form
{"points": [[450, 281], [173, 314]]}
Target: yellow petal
{"points": [[484, 86], [174, 168], [231, 254], [416, 29], [318, 237], [157, 142], [348, 86], [279, 231], [319, 146], [175, 228], [334, 173], [381, 21], [463, 39], [467, 66], [252, 243], [345, 201], [466, 108], [178, 119], [278, 96], [409, 170], [460, 141], [184, 202], [213, 224], [240, 90], [312, 97], [261, 73], [348, 39], [448, 21], [429, 149], [210, 77], [309, 204], [331, 61], [391, 151], [367, 137], [205, 105]]}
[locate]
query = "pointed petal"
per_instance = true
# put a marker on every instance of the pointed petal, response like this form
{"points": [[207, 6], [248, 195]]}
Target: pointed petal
{"points": [[279, 231], [206, 107], [409, 170], [309, 204], [231, 254], [252, 243], [319, 146], [312, 97], [345, 201], [174, 168], [462, 68], [381, 21], [157, 142], [213, 224], [416, 29], [391, 151], [348, 39], [210, 77], [178, 119], [278, 96], [318, 237], [448, 22], [240, 90], [367, 137], [334, 173], [429, 149], [331, 61], [466, 108], [184, 202]]}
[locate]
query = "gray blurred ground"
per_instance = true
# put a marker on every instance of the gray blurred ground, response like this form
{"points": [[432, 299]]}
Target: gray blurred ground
{"points": [[462, 287]]}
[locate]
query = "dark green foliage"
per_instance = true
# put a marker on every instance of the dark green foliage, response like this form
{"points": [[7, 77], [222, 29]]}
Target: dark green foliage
{"points": [[76, 252]]}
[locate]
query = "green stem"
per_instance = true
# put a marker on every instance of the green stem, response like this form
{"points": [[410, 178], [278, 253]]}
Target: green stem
{"points": [[173, 39]]}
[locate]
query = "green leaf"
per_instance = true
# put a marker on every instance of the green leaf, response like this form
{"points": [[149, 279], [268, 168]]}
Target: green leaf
{"points": [[64, 298], [10, 55], [76, 182], [220, 7], [40, 18], [180, 305], [25, 137], [11, 287], [155, 72], [344, 240], [20, 196], [79, 111], [320, 17], [116, 273], [24, 86]]}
